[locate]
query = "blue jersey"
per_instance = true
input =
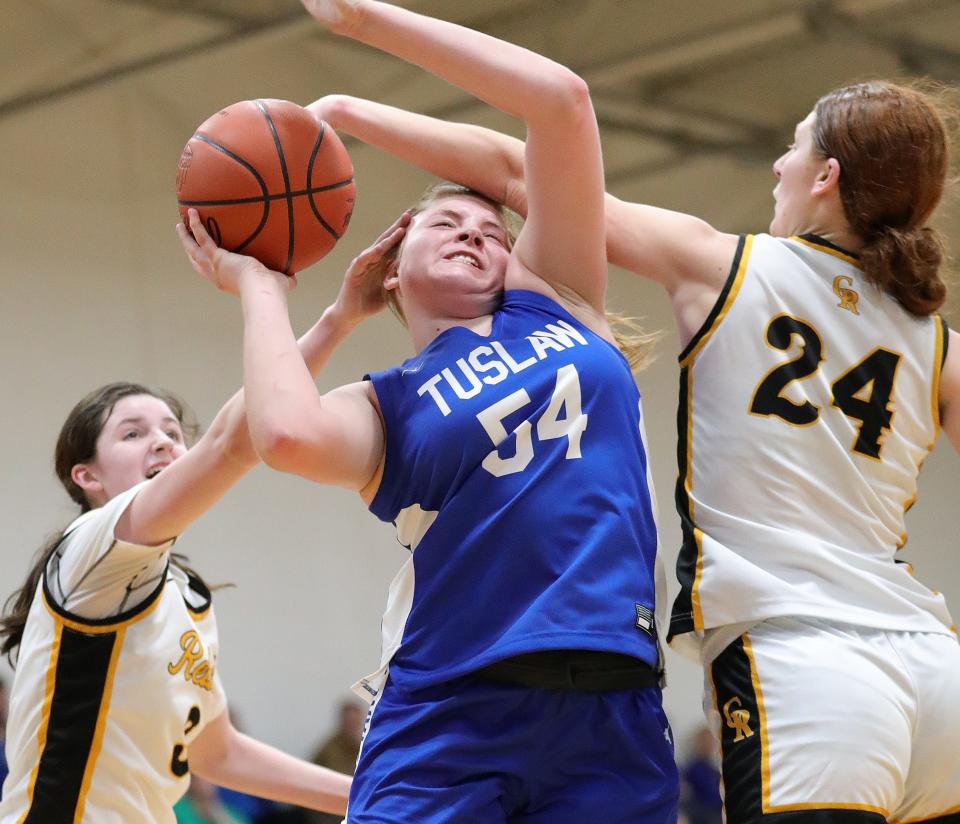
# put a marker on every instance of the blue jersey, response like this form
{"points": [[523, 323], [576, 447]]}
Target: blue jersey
{"points": [[516, 473]]}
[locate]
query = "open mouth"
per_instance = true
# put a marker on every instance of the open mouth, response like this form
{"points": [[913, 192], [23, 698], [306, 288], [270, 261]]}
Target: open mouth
{"points": [[152, 473], [464, 257]]}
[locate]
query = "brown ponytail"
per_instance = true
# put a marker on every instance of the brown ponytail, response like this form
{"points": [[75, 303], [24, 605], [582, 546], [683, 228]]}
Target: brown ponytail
{"points": [[892, 145], [906, 263]]}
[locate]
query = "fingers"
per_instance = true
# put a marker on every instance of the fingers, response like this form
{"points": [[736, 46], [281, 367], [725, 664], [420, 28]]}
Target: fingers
{"points": [[387, 240], [198, 229], [402, 221], [197, 258]]}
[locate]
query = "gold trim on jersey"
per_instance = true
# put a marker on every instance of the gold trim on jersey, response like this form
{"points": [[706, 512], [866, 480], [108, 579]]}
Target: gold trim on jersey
{"points": [[97, 743], [937, 368], [50, 683], [78, 624], [704, 334], [828, 249], [939, 330], [695, 606], [687, 361]]}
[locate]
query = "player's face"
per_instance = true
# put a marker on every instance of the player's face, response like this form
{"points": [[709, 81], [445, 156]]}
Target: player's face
{"points": [[139, 439], [454, 257], [796, 171]]}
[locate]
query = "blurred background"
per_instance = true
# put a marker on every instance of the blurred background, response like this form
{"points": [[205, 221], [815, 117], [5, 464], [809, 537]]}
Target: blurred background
{"points": [[97, 97]]}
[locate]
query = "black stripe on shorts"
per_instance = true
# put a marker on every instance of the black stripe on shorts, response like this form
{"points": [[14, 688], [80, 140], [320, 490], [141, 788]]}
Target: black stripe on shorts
{"points": [[82, 667], [742, 739]]}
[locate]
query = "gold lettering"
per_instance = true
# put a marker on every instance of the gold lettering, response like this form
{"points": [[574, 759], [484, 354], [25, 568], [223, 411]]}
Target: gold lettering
{"points": [[196, 669], [738, 719], [848, 297]]}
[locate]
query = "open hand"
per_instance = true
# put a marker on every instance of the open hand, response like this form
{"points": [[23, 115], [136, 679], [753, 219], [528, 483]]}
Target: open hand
{"points": [[362, 292], [222, 268]]}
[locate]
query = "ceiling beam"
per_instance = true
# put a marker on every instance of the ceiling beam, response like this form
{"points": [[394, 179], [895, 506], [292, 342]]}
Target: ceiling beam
{"points": [[121, 71]]}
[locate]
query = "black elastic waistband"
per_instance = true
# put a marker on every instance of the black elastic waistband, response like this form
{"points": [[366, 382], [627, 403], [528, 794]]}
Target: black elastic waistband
{"points": [[573, 669]]}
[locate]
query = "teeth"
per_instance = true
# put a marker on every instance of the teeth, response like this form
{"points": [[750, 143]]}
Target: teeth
{"points": [[465, 259]]}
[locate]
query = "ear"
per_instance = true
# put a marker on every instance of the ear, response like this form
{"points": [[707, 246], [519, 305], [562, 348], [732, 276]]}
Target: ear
{"points": [[391, 280], [84, 476], [828, 179]]}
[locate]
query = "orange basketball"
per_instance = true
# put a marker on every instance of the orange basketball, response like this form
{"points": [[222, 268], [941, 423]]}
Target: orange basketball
{"points": [[269, 180]]}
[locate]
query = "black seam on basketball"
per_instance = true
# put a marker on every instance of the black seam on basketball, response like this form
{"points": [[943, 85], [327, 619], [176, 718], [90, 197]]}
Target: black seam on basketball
{"points": [[310, 189], [257, 198], [286, 181], [260, 181]]}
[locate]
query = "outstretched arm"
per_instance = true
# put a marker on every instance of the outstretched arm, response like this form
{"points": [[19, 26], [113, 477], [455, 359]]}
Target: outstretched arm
{"points": [[562, 240], [227, 757], [684, 254], [950, 391], [191, 485]]}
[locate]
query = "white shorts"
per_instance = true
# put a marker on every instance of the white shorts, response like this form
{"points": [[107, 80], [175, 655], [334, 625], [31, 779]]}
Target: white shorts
{"points": [[829, 722]]}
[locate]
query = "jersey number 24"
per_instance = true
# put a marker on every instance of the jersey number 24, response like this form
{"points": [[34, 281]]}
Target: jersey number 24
{"points": [[861, 393]]}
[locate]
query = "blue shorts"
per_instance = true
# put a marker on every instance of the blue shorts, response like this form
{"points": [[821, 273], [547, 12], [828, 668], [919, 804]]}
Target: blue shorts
{"points": [[474, 751]]}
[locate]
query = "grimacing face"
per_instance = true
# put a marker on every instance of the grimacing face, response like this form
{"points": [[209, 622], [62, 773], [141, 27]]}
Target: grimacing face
{"points": [[455, 255], [139, 439]]}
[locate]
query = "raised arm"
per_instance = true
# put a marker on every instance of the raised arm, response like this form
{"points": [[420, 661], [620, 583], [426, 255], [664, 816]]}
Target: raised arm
{"points": [[191, 485], [335, 438], [473, 156], [686, 255], [950, 391], [562, 241]]}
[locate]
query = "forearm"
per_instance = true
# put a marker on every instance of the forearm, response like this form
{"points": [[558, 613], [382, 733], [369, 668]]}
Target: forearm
{"points": [[479, 158], [247, 765], [229, 429], [502, 74], [279, 386]]}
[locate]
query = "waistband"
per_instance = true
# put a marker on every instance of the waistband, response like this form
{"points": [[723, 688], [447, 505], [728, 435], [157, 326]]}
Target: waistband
{"points": [[573, 669]]}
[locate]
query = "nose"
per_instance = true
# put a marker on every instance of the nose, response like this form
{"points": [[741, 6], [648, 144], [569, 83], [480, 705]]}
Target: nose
{"points": [[777, 164], [162, 442], [471, 235]]}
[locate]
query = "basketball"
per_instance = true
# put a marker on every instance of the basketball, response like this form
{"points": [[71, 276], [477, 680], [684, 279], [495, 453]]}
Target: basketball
{"points": [[269, 180]]}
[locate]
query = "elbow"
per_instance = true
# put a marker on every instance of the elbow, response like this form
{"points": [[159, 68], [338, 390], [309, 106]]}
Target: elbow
{"points": [[277, 446], [330, 109], [564, 94]]}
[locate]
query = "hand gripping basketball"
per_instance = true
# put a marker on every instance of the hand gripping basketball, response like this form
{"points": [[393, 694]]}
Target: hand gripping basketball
{"points": [[269, 180], [222, 268]]}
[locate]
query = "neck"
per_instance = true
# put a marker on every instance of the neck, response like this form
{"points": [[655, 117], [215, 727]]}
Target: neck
{"points": [[424, 329], [844, 239], [831, 224]]}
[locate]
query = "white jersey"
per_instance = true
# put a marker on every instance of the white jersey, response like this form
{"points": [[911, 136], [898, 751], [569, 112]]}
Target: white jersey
{"points": [[808, 402], [102, 708]]}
